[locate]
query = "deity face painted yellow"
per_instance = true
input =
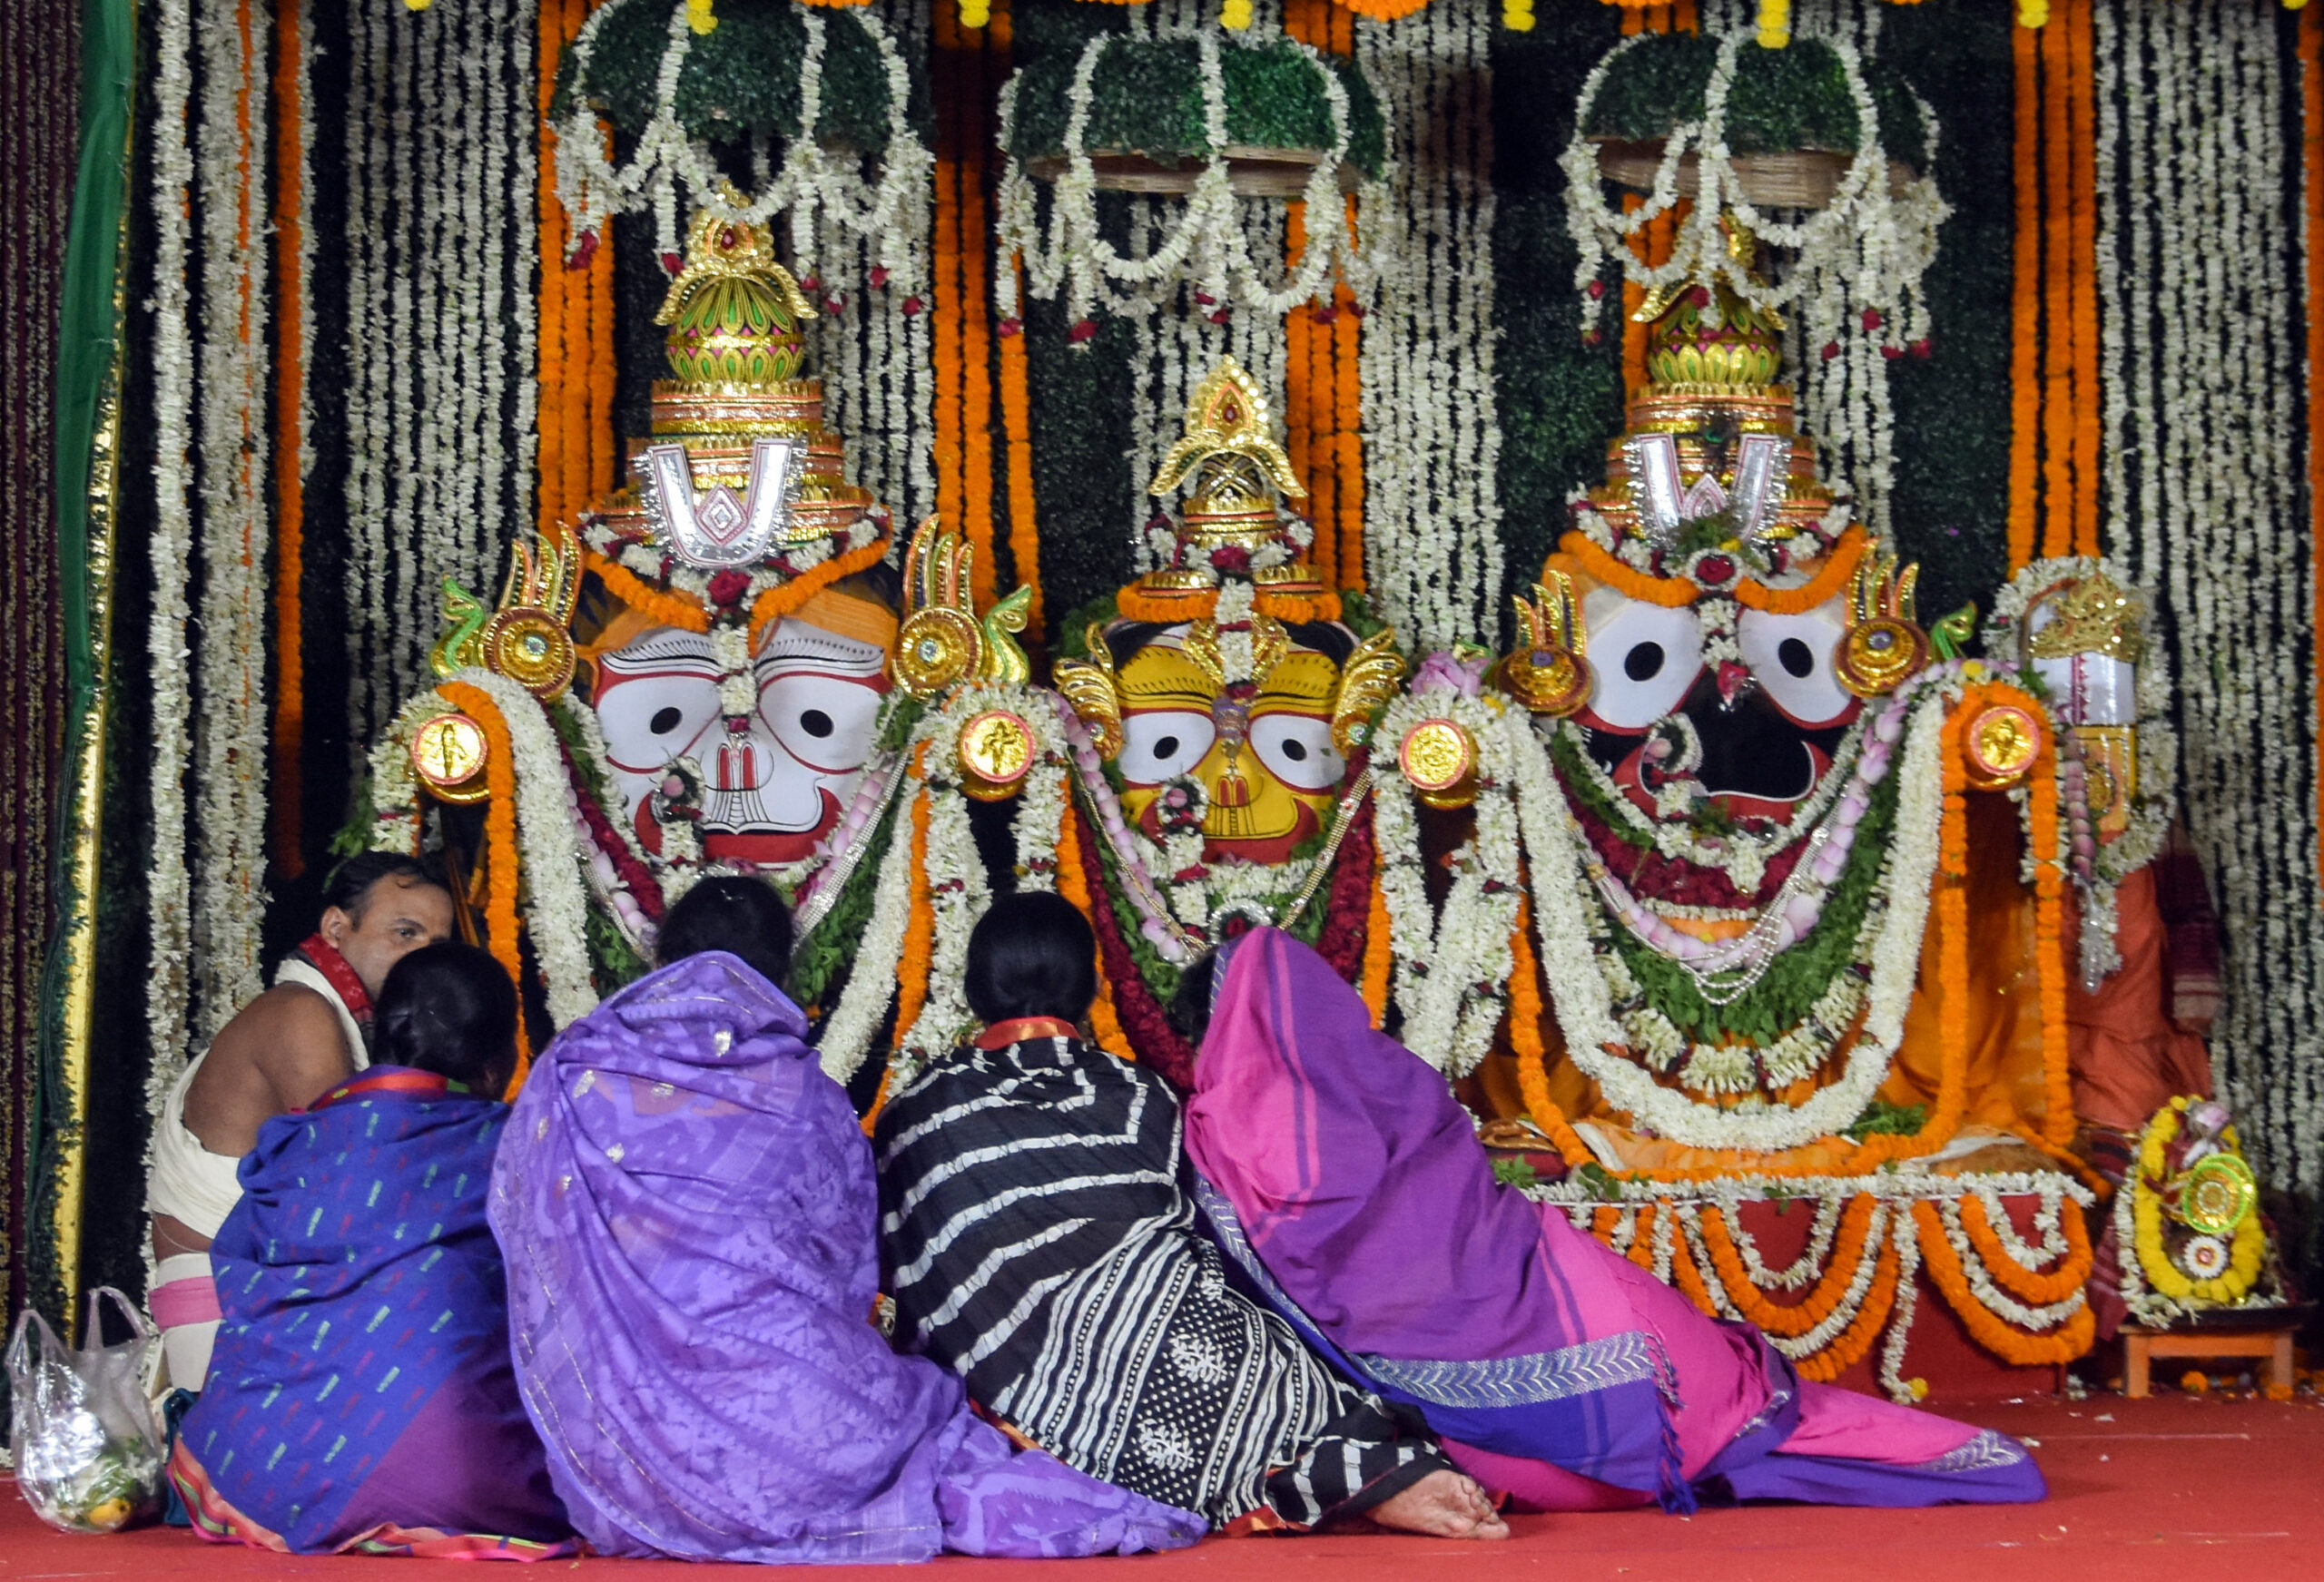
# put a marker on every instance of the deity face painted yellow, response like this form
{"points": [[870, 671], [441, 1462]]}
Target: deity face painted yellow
{"points": [[1261, 749]]}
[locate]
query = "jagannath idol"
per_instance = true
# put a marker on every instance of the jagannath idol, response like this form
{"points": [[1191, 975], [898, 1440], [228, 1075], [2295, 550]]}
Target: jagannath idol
{"points": [[690, 675], [1737, 818]]}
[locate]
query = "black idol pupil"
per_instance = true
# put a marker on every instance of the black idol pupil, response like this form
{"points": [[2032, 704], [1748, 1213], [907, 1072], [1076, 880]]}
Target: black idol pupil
{"points": [[1166, 747], [1296, 750], [1795, 658], [815, 722], [667, 720], [1643, 663]]}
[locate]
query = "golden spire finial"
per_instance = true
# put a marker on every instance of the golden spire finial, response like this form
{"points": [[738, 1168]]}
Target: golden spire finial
{"points": [[733, 310], [1229, 446]]}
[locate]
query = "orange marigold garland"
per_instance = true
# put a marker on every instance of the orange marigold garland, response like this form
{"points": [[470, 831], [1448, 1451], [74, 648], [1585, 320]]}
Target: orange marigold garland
{"points": [[1845, 1350], [1832, 1288], [500, 859], [1379, 955], [2062, 1344], [2026, 302], [2070, 1276], [289, 478], [1526, 1040]]}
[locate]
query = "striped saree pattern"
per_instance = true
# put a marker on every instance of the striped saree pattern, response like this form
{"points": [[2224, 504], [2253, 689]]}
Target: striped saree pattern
{"points": [[1041, 1245]]}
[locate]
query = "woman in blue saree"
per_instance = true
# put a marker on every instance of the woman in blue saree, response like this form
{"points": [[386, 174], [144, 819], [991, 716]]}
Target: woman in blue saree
{"points": [[360, 1395]]}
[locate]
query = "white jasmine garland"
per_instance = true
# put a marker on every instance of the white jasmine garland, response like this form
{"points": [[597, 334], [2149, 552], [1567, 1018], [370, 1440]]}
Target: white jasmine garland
{"points": [[825, 195], [557, 907], [847, 1033], [1893, 1228], [2206, 446], [1599, 1044], [168, 883], [1452, 969], [958, 889], [1431, 433]]}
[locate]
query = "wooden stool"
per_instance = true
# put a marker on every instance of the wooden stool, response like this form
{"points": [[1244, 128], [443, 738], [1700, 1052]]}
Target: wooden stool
{"points": [[2140, 1346]]}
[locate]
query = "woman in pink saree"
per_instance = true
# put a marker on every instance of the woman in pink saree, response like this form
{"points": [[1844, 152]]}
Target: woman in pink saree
{"points": [[1337, 1169]]}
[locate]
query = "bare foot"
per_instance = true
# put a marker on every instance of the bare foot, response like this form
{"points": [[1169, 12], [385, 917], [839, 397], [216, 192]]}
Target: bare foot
{"points": [[1442, 1505]]}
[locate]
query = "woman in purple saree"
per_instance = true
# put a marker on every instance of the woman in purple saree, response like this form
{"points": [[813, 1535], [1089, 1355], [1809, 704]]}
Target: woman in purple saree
{"points": [[687, 1207], [1342, 1175]]}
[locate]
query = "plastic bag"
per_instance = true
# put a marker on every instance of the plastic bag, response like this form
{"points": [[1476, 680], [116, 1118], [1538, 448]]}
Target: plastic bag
{"points": [[87, 1446]]}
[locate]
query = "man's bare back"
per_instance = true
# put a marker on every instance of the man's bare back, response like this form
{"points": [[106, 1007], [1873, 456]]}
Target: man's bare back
{"points": [[288, 1048]]}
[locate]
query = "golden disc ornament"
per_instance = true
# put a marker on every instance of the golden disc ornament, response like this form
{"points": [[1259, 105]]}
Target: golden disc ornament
{"points": [[449, 753], [1439, 757], [2216, 1194], [532, 649], [1546, 681], [995, 752], [939, 646], [1999, 746], [1879, 654]]}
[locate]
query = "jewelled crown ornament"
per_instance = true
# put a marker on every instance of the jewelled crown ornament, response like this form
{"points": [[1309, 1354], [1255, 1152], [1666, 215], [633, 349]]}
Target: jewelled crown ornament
{"points": [[690, 676]]}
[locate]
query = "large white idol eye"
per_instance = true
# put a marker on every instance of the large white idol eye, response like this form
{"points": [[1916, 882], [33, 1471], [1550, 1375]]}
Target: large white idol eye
{"points": [[659, 694], [1165, 742], [1297, 751], [1643, 659], [825, 722], [1791, 656]]}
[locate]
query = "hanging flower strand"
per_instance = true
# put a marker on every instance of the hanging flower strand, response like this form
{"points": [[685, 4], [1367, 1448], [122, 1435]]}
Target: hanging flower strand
{"points": [[1859, 257], [826, 195], [1209, 250]]}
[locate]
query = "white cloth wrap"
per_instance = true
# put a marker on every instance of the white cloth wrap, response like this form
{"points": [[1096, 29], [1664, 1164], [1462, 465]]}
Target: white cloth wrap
{"points": [[199, 1188]]}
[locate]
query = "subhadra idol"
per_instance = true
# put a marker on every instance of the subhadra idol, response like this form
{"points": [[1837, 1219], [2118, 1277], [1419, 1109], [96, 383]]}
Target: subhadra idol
{"points": [[690, 676], [1762, 813], [1227, 697]]}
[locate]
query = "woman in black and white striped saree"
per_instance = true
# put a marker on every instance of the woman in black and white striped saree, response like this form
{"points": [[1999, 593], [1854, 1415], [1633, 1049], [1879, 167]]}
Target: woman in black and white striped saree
{"points": [[1039, 1240]]}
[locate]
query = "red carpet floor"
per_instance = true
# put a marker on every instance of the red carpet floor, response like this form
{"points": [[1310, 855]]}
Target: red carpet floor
{"points": [[2170, 1488]]}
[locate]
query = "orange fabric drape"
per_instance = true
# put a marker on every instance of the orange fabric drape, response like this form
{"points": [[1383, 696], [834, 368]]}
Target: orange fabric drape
{"points": [[1323, 401], [286, 825], [2053, 368], [575, 322]]}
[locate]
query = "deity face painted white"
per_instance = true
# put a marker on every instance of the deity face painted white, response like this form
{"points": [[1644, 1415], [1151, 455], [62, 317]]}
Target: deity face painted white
{"points": [[770, 789]]}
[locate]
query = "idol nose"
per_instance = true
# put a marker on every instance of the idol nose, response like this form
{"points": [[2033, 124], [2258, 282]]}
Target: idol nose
{"points": [[743, 763]]}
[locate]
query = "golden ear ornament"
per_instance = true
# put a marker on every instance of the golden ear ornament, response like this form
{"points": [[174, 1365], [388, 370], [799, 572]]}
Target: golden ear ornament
{"points": [[528, 638], [996, 750], [1545, 672], [1095, 691], [1371, 677], [1439, 758], [942, 642], [449, 753], [1885, 647]]}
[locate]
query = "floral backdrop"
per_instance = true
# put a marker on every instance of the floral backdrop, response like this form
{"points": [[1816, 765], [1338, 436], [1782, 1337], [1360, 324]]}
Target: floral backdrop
{"points": [[366, 343]]}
